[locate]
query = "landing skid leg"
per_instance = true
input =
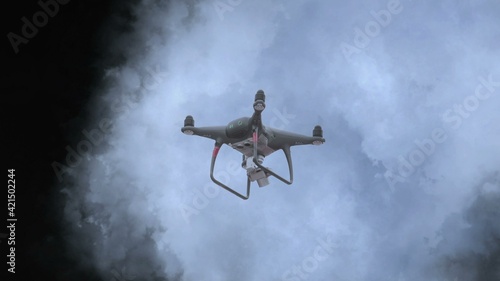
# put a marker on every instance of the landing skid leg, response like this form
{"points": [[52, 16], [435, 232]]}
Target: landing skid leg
{"points": [[212, 166], [287, 152]]}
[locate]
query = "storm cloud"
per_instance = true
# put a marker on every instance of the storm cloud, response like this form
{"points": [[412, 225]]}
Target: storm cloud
{"points": [[406, 187]]}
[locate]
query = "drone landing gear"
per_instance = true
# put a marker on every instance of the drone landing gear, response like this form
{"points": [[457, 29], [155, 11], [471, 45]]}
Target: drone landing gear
{"points": [[212, 165], [253, 165], [286, 150]]}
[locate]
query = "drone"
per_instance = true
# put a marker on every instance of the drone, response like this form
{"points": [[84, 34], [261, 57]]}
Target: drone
{"points": [[255, 141]]}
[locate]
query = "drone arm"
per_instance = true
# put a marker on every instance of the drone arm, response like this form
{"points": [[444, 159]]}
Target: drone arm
{"points": [[216, 132], [212, 166], [286, 150], [284, 138]]}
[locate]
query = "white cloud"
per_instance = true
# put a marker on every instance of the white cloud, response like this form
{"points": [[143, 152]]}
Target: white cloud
{"points": [[372, 109]]}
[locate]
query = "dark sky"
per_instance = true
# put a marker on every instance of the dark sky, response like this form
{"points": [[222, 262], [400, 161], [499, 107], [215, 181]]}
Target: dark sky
{"points": [[47, 85]]}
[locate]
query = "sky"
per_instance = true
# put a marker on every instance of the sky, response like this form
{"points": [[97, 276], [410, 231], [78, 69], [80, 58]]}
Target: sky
{"points": [[406, 186]]}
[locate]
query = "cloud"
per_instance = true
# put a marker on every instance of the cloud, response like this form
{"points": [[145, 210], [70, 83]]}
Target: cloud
{"points": [[126, 204], [469, 240]]}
